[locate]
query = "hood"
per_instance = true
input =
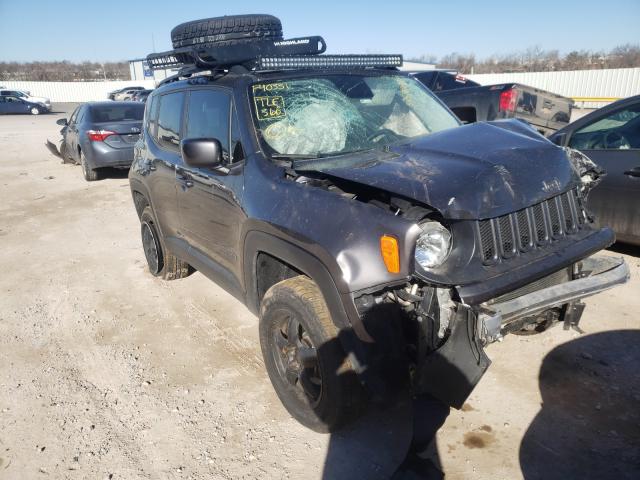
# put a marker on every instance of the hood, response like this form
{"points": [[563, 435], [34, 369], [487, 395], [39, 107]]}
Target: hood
{"points": [[477, 171], [39, 99]]}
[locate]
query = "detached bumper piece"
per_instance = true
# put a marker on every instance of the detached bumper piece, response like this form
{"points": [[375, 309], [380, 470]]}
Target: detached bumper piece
{"points": [[598, 273]]}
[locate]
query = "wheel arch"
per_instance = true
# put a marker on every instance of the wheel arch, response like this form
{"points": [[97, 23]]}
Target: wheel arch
{"points": [[343, 312]]}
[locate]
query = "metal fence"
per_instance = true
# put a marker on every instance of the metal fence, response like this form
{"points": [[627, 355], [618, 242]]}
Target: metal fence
{"points": [[74, 91], [589, 88]]}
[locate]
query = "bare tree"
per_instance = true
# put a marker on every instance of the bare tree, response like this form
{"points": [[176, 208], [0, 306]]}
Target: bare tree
{"points": [[535, 59], [64, 71]]}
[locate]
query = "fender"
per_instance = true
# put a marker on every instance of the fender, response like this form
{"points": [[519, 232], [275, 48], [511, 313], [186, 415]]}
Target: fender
{"points": [[341, 307], [138, 187]]}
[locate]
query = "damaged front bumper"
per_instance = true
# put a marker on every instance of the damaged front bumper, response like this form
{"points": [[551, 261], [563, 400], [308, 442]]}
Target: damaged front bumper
{"points": [[597, 273]]}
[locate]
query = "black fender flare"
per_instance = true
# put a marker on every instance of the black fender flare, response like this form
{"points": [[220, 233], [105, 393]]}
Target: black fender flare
{"points": [[341, 307]]}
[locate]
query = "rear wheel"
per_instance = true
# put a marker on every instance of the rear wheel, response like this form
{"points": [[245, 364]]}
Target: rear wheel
{"points": [[161, 263], [90, 174], [303, 356]]}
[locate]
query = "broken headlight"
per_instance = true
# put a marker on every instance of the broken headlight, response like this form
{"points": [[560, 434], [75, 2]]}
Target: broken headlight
{"points": [[433, 246]]}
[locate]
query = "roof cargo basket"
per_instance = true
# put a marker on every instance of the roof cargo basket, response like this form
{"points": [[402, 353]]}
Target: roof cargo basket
{"points": [[265, 55], [220, 56]]}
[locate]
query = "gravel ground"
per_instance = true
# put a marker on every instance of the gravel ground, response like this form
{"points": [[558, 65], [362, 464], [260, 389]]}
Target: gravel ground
{"points": [[108, 372]]}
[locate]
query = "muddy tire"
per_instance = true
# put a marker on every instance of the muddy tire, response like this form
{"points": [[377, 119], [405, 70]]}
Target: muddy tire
{"points": [[229, 30], [89, 174], [161, 263], [303, 356]]}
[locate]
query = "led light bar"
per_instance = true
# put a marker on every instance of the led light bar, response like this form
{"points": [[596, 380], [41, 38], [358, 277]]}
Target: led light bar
{"points": [[329, 61]]}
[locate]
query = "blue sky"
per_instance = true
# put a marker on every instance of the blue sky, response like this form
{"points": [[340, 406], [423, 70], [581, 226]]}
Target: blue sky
{"points": [[79, 30]]}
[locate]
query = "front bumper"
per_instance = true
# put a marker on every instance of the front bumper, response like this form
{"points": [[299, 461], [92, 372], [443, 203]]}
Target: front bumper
{"points": [[599, 273]]}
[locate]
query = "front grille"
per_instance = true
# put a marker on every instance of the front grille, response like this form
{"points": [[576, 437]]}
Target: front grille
{"points": [[533, 227]]}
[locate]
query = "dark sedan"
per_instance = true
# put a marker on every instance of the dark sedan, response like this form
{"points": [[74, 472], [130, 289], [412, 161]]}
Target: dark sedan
{"points": [[610, 136], [10, 104], [99, 135], [141, 95]]}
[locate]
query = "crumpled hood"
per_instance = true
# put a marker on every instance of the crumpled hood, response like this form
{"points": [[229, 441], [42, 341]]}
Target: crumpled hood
{"points": [[477, 171]]}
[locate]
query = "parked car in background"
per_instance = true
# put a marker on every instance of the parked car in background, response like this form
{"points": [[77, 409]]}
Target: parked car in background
{"points": [[112, 95], [126, 95], [610, 137], [100, 134], [140, 95], [471, 102], [25, 95], [11, 104]]}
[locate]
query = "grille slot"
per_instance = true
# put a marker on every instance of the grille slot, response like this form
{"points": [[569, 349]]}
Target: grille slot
{"points": [[487, 241], [532, 227], [506, 236], [524, 229], [556, 228]]}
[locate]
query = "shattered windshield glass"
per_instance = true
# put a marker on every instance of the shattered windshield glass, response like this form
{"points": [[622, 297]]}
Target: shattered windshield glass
{"points": [[337, 114]]}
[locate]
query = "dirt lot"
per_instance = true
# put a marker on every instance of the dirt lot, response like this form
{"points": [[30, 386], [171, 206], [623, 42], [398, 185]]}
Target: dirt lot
{"points": [[107, 372]]}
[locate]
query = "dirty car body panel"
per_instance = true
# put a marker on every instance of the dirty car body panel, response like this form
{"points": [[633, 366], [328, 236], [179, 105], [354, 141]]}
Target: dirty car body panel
{"points": [[497, 187]]}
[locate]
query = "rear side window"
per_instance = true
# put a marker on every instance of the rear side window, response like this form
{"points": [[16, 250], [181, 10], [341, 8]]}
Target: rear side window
{"points": [[208, 117], [170, 120], [117, 113]]}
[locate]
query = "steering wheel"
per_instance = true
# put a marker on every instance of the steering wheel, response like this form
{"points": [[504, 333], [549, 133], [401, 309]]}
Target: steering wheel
{"points": [[383, 132], [615, 140]]}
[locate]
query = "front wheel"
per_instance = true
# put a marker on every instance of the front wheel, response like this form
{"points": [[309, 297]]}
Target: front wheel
{"points": [[303, 356], [35, 111]]}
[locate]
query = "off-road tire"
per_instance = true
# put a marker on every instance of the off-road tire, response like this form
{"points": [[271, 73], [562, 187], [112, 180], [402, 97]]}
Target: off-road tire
{"points": [[35, 111], [340, 394], [89, 174], [229, 30], [166, 265]]}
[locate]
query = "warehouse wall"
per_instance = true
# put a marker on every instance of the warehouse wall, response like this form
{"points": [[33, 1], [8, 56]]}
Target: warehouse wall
{"points": [[590, 88], [74, 91]]}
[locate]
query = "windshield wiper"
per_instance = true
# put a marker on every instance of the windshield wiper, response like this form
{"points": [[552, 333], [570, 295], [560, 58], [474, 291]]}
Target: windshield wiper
{"points": [[294, 156]]}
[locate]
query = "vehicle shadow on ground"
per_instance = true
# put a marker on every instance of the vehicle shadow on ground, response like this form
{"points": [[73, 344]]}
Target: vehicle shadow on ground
{"points": [[395, 435], [626, 249], [589, 424], [113, 173]]}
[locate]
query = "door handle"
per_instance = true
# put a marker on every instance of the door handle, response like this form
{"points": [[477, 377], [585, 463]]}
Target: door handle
{"points": [[634, 172]]}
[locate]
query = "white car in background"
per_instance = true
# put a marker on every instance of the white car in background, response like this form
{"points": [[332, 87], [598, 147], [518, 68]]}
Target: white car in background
{"points": [[25, 95]]}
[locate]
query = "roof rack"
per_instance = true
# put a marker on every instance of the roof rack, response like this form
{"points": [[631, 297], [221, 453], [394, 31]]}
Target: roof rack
{"points": [[263, 55]]}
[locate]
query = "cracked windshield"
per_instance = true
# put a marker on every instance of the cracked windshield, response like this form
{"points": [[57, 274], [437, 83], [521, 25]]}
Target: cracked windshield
{"points": [[338, 114]]}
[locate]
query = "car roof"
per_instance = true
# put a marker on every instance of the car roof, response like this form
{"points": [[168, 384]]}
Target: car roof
{"points": [[109, 103], [230, 79]]}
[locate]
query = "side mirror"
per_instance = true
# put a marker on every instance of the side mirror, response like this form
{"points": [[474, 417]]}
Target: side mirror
{"points": [[559, 139], [62, 122], [201, 152]]}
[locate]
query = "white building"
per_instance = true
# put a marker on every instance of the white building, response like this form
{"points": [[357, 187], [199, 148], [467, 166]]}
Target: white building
{"points": [[139, 69]]}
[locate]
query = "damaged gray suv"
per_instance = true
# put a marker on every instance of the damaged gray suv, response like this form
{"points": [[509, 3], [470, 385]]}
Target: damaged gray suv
{"points": [[349, 209]]}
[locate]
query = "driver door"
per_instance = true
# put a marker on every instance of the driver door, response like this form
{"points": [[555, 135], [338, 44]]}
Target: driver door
{"points": [[613, 143]]}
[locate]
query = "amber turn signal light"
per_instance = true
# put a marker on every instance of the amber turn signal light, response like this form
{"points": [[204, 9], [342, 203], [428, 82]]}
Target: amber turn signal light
{"points": [[390, 253]]}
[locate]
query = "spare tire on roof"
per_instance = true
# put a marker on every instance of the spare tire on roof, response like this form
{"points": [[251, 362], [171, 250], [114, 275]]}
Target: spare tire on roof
{"points": [[229, 29]]}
